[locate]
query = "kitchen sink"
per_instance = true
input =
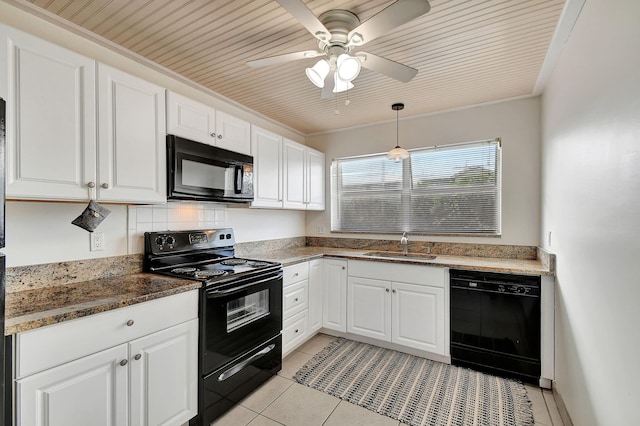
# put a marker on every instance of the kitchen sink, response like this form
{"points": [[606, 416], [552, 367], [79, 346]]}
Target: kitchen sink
{"points": [[400, 255]]}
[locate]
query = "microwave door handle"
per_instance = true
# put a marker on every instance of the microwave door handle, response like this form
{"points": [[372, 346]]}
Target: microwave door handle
{"points": [[238, 180]]}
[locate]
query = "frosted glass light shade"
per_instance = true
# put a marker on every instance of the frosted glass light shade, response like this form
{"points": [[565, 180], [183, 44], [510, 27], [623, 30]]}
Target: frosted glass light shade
{"points": [[348, 67], [318, 72], [341, 85], [398, 154]]}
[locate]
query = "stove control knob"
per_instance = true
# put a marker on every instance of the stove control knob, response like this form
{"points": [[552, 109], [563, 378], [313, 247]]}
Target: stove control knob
{"points": [[159, 241], [228, 236], [171, 241]]}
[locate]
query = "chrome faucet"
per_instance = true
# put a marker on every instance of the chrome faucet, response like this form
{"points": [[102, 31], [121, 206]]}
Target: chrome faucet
{"points": [[404, 243]]}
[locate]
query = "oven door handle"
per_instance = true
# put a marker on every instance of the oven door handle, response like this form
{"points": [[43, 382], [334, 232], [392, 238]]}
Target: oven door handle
{"points": [[238, 367], [222, 293]]}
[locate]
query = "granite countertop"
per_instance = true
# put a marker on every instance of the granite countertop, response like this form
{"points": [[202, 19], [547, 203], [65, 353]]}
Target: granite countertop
{"points": [[33, 308], [516, 266]]}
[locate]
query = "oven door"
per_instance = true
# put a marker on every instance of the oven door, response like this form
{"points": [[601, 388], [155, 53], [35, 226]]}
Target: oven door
{"points": [[240, 316]]}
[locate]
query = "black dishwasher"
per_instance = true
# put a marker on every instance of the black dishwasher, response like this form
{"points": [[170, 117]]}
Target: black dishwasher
{"points": [[495, 323]]}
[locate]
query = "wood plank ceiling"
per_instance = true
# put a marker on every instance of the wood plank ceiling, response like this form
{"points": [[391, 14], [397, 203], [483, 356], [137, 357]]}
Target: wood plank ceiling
{"points": [[466, 52]]}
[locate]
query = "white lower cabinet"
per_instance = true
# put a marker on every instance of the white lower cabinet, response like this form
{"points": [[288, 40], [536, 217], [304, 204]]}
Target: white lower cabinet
{"points": [[334, 307], [295, 306], [89, 391], [409, 313], [316, 281], [145, 379], [162, 367]]}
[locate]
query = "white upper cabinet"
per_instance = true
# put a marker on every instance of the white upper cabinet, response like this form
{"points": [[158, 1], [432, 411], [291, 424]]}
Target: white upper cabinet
{"points": [[190, 119], [51, 118], [233, 133], [194, 120], [131, 140], [314, 179], [294, 171], [303, 177], [54, 150], [267, 168]]}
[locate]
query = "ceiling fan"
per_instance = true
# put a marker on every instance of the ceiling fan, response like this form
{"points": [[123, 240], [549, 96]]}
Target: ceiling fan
{"points": [[340, 33]]}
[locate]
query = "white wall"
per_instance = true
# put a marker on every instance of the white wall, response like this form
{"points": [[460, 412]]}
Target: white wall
{"points": [[39, 232], [517, 122], [591, 205]]}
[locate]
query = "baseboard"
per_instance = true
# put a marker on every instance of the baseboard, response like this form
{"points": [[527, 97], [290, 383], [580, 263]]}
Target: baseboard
{"points": [[564, 414]]}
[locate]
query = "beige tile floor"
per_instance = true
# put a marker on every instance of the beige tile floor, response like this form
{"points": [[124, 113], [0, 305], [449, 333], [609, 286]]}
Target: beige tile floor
{"points": [[281, 401]]}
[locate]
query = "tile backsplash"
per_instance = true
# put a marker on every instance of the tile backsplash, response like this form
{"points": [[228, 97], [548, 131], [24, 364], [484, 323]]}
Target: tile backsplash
{"points": [[171, 216]]}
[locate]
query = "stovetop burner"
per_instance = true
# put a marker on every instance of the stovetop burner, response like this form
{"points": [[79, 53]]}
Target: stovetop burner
{"points": [[183, 270], [210, 274], [259, 264], [234, 262]]}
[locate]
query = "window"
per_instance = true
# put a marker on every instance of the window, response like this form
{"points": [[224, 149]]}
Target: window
{"points": [[453, 189]]}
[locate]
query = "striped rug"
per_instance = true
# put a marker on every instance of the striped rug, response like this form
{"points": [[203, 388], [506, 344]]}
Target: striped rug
{"points": [[415, 390]]}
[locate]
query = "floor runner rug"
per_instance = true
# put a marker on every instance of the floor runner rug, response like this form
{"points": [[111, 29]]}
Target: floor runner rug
{"points": [[415, 390]]}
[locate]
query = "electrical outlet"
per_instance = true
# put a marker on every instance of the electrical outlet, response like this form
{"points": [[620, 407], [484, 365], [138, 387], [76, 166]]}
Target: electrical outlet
{"points": [[319, 229], [97, 241]]}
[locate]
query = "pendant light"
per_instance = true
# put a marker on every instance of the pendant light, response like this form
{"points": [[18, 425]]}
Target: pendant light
{"points": [[397, 153]]}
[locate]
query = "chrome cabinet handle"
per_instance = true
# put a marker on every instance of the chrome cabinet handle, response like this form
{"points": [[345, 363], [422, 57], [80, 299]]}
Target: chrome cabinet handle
{"points": [[91, 184], [387, 290], [296, 330], [213, 134], [219, 136], [130, 323], [343, 268], [295, 275], [393, 291], [295, 300], [124, 362], [137, 357], [105, 185]]}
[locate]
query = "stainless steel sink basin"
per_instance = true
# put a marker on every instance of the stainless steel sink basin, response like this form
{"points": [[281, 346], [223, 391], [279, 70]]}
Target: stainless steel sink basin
{"points": [[400, 255]]}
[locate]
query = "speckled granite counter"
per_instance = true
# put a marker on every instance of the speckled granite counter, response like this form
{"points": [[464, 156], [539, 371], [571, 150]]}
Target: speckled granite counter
{"points": [[29, 309], [516, 266]]}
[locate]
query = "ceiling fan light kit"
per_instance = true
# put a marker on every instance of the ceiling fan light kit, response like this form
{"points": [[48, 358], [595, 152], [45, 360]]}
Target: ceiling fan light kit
{"points": [[318, 72], [398, 153], [338, 32]]}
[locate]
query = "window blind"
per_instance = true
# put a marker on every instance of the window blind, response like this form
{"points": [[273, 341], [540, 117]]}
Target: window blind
{"points": [[453, 189]]}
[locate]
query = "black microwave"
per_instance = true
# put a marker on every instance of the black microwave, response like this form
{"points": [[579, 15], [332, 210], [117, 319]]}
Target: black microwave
{"points": [[201, 172]]}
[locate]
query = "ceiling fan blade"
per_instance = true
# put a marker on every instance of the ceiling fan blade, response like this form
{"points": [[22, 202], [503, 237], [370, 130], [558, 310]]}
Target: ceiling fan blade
{"points": [[382, 23], [287, 57], [387, 67], [302, 13], [329, 82]]}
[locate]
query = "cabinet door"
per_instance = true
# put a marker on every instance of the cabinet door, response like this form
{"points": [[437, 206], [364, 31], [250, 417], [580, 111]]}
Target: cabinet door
{"points": [[164, 376], [51, 120], [418, 317], [89, 391], [294, 175], [334, 308], [131, 140], [369, 308], [316, 278], [267, 168], [315, 193], [233, 133], [190, 119]]}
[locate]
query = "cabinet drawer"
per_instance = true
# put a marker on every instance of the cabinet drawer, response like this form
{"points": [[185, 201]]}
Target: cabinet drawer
{"points": [[295, 298], [294, 330], [295, 273], [46, 347], [387, 271]]}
